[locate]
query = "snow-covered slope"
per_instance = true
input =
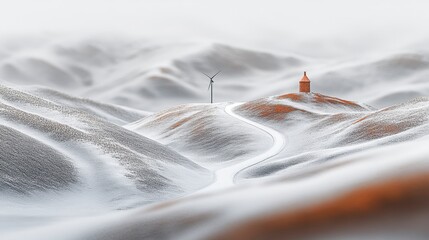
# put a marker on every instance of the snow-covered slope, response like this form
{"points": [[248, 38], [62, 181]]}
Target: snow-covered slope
{"points": [[383, 81], [205, 133], [153, 76], [51, 153], [321, 128], [141, 74], [285, 155], [115, 114], [373, 194]]}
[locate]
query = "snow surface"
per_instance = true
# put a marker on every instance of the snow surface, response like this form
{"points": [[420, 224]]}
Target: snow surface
{"points": [[211, 215], [59, 162], [70, 171], [331, 129], [198, 131], [113, 139]]}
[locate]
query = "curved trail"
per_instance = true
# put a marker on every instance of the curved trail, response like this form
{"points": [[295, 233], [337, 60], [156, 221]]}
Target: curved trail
{"points": [[224, 177]]}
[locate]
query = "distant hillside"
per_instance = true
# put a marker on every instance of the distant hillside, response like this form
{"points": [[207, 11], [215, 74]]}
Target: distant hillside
{"points": [[155, 76]]}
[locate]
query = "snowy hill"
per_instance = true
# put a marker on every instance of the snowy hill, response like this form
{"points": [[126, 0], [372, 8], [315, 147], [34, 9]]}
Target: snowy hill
{"points": [[321, 128], [328, 177], [199, 131], [57, 150], [206, 158], [139, 74], [153, 76]]}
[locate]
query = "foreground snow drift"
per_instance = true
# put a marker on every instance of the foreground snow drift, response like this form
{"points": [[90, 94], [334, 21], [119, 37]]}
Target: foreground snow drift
{"points": [[28, 165], [373, 194]]}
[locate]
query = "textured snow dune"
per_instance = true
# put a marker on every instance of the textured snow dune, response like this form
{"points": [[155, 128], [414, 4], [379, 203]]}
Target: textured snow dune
{"points": [[51, 170], [59, 161], [115, 114], [77, 126]]}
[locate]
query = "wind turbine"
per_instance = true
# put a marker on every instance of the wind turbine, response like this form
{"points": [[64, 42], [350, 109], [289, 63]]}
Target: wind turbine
{"points": [[211, 85]]}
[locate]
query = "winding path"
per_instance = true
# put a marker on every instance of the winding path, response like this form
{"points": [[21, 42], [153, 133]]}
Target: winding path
{"points": [[224, 177]]}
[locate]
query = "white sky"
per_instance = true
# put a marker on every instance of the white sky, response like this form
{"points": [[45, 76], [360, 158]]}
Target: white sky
{"points": [[334, 25]]}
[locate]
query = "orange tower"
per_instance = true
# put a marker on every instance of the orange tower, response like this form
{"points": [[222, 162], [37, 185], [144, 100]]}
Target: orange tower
{"points": [[304, 84]]}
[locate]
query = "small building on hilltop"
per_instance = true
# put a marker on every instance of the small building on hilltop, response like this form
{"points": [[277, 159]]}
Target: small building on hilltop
{"points": [[304, 84]]}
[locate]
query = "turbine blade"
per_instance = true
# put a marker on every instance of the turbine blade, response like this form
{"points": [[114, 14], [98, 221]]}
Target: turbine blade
{"points": [[215, 74], [210, 84], [206, 75]]}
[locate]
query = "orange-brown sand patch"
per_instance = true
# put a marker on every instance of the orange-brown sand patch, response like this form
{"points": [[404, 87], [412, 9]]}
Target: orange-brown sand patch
{"points": [[292, 96], [329, 121], [319, 98], [340, 117], [379, 129], [397, 196], [168, 116], [180, 123], [199, 127], [174, 114], [361, 119], [269, 111]]}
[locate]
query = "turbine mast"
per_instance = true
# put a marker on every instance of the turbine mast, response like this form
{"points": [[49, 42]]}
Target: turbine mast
{"points": [[211, 91], [211, 85]]}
